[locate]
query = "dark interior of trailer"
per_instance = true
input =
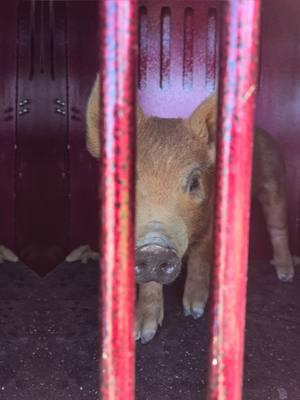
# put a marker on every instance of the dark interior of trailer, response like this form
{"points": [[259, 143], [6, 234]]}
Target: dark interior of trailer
{"points": [[49, 200]]}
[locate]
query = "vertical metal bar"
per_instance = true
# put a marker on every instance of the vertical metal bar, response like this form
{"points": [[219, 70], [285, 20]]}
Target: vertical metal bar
{"points": [[236, 106], [117, 69]]}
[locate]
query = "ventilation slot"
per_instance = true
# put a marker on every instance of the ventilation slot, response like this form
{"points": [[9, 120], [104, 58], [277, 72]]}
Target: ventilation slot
{"points": [[52, 40], [165, 48], [32, 40], [143, 47], [188, 48], [211, 49]]}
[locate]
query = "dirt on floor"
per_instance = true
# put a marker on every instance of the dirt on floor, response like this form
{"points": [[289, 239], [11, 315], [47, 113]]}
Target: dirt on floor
{"points": [[49, 335]]}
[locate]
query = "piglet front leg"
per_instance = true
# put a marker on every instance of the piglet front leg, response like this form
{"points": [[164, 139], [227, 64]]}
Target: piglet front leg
{"points": [[196, 287], [149, 311], [273, 199]]}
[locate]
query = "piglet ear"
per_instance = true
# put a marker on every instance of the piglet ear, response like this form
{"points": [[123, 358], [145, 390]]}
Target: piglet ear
{"points": [[93, 120], [203, 123], [203, 119], [140, 116]]}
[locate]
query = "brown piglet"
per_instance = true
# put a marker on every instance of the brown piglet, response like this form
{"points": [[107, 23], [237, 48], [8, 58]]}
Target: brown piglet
{"points": [[175, 182]]}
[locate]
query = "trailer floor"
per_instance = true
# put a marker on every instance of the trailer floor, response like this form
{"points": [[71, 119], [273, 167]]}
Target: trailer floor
{"points": [[48, 339]]}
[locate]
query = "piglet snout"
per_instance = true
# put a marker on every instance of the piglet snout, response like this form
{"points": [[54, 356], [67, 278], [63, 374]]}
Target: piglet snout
{"points": [[156, 263]]}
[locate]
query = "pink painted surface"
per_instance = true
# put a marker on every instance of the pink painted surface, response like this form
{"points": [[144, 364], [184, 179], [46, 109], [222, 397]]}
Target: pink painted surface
{"points": [[118, 38], [178, 54]]}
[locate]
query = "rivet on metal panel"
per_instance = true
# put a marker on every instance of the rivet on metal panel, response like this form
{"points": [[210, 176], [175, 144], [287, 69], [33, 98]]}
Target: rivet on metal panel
{"points": [[60, 111], [23, 111], [24, 102], [60, 102]]}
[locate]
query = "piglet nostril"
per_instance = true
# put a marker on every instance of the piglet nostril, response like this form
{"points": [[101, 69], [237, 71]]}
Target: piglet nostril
{"points": [[139, 268], [167, 269], [163, 266]]}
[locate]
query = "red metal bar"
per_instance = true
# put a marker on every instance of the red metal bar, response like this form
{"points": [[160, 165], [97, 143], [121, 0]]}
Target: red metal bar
{"points": [[237, 86], [117, 68]]}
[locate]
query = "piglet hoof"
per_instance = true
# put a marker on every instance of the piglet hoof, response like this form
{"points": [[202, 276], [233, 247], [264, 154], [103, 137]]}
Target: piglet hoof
{"points": [[145, 335], [296, 260], [147, 322], [82, 254], [194, 299], [285, 276], [7, 255], [285, 271], [196, 311]]}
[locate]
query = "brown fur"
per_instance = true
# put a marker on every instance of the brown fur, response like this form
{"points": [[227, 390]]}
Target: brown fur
{"points": [[167, 151]]}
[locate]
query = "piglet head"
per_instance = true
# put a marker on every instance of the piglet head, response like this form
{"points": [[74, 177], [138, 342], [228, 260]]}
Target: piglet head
{"points": [[174, 189]]}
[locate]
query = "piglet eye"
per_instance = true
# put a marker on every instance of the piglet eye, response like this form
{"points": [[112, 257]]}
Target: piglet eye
{"points": [[194, 184]]}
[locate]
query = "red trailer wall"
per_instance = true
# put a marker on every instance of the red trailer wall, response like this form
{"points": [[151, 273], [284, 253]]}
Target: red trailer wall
{"points": [[48, 199], [278, 106], [41, 135]]}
